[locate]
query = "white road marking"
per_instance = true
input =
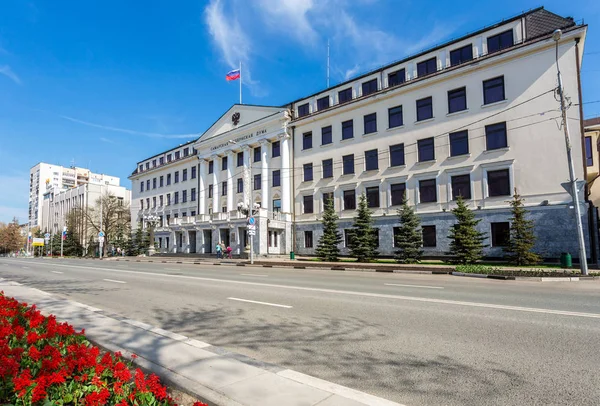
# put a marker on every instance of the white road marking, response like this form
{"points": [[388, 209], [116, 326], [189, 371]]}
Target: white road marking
{"points": [[350, 292], [413, 286], [172, 269], [57, 272], [263, 303], [112, 280], [251, 274], [25, 267]]}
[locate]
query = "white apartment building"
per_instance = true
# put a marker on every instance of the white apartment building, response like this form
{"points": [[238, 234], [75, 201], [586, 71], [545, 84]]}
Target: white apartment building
{"points": [[200, 191], [475, 117], [48, 178]]}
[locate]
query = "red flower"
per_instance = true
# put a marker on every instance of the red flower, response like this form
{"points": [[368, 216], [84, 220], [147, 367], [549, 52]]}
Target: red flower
{"points": [[159, 391], [199, 404], [97, 398], [140, 381], [22, 382]]}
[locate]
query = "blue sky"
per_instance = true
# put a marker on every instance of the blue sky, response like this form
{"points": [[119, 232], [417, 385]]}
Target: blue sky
{"points": [[108, 83]]}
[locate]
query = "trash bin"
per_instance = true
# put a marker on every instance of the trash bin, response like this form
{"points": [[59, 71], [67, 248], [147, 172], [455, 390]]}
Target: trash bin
{"points": [[566, 260], [292, 255]]}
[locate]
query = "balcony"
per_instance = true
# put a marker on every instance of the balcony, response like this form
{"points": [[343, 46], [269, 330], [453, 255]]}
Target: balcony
{"points": [[175, 222], [200, 218], [220, 216], [188, 220]]}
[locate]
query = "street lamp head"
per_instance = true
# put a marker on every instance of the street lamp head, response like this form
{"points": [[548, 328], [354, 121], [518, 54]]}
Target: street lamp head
{"points": [[556, 35]]}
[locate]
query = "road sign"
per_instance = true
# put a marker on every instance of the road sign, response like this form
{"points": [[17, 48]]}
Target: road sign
{"points": [[251, 232], [251, 221], [38, 242], [579, 185], [251, 227], [101, 234], [47, 235], [101, 239]]}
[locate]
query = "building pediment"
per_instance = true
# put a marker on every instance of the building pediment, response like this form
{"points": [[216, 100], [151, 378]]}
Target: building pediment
{"points": [[237, 116]]}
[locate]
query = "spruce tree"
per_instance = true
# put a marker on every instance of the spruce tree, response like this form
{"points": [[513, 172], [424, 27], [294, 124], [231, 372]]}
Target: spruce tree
{"points": [[466, 246], [138, 240], [522, 238], [410, 237], [327, 248], [363, 236]]}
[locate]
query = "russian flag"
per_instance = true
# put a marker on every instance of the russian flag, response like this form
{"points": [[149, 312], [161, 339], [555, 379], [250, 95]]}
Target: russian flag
{"points": [[233, 75]]}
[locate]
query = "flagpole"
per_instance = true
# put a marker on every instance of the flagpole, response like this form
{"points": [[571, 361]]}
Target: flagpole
{"points": [[240, 82]]}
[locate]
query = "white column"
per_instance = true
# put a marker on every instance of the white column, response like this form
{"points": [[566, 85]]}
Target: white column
{"points": [[215, 182], [286, 191], [247, 174], [202, 185], [264, 148], [230, 181]]}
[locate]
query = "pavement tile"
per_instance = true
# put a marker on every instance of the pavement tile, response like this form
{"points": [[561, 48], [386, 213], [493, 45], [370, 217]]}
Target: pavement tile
{"points": [[272, 390], [216, 372]]}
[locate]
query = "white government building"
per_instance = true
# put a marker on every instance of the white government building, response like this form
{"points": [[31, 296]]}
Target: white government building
{"points": [[476, 117]]}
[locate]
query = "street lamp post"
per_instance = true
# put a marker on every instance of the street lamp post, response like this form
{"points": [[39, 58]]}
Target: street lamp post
{"points": [[151, 220], [572, 180]]}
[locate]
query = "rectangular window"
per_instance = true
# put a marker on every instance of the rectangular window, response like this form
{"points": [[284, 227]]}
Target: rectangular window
{"points": [[141, 186], [326, 197], [141, 168], [350, 199], [308, 172], [154, 163], [184, 175], [154, 183], [461, 186], [589, 155], [184, 196], [224, 163], [427, 191], [240, 159], [397, 155], [210, 191], [161, 160], [211, 166], [371, 160], [176, 177], [500, 234], [345, 95], [277, 205], [326, 135], [395, 117], [168, 199], [461, 55], [459, 143], [177, 154], [396, 231], [168, 179], [193, 194], [176, 197], [426, 149], [194, 170], [147, 165], [148, 184], [429, 237], [308, 239], [186, 151], [397, 191], [257, 154], [307, 140], [303, 110], [500, 41], [493, 90], [240, 185], [223, 209], [308, 204], [161, 200], [276, 178], [347, 130], [323, 103], [427, 67], [169, 157], [141, 204], [224, 188], [369, 87], [457, 100], [395, 78], [275, 149], [495, 136], [257, 182], [327, 168], [372, 196], [424, 109], [498, 183], [370, 123], [193, 213], [348, 164], [348, 237]]}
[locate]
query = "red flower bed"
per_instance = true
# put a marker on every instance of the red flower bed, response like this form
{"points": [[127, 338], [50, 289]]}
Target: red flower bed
{"points": [[43, 361]]}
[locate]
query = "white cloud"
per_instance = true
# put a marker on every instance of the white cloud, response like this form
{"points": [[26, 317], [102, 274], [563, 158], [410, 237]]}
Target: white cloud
{"points": [[291, 16], [7, 71], [127, 131], [351, 72]]}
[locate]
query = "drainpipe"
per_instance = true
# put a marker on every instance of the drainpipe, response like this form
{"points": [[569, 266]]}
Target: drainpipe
{"points": [[293, 194]]}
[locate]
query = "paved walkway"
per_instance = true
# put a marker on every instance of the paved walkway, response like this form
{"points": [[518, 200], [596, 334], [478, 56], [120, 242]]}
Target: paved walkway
{"points": [[211, 373]]}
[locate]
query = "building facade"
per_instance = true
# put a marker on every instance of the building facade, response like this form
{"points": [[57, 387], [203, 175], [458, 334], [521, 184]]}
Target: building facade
{"points": [[199, 194], [475, 117], [47, 178]]}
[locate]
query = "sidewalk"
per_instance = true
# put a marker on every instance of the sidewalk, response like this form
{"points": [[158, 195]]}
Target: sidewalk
{"points": [[213, 374]]}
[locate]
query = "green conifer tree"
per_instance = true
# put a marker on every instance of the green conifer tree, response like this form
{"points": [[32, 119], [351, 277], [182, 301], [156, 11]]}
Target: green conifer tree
{"points": [[138, 240], [409, 240], [522, 237], [327, 248], [466, 246], [363, 238]]}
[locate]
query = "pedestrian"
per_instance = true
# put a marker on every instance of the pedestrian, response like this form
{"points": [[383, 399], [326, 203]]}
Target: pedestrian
{"points": [[228, 250], [219, 251]]}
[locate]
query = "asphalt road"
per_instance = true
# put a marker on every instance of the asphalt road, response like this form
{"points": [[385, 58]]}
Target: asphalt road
{"points": [[414, 339]]}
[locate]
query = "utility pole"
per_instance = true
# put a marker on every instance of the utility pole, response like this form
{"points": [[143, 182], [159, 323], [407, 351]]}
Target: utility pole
{"points": [[327, 63], [574, 192], [100, 239]]}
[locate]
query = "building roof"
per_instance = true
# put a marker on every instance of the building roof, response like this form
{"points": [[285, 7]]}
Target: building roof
{"points": [[591, 122]]}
